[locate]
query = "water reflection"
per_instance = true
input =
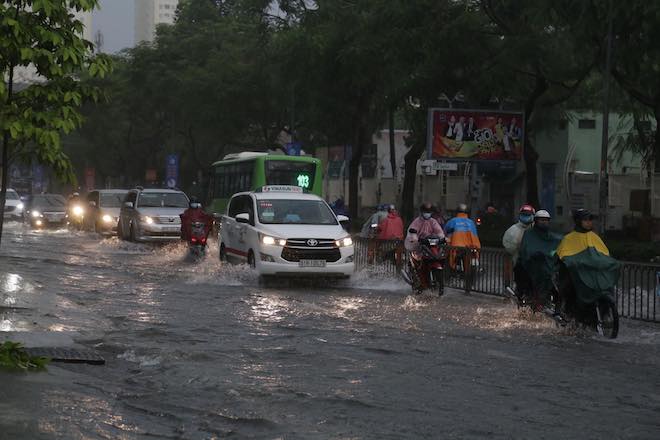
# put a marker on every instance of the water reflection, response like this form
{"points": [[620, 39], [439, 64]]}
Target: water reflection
{"points": [[268, 309]]}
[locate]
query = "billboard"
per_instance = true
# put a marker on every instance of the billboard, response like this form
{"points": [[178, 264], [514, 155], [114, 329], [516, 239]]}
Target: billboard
{"points": [[475, 134]]}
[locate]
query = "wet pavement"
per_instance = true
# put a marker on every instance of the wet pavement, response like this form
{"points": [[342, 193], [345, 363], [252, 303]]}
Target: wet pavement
{"points": [[202, 351]]}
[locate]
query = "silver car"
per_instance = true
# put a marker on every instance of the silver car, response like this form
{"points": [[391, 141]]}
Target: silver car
{"points": [[102, 212], [13, 206], [152, 215]]}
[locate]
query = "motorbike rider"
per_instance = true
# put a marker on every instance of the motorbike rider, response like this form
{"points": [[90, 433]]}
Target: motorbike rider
{"points": [[193, 214], [461, 232], [513, 238], [391, 228], [574, 243], [536, 261], [424, 226], [375, 219]]}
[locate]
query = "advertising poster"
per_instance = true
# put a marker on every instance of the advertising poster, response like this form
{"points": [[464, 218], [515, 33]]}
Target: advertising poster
{"points": [[481, 135]]}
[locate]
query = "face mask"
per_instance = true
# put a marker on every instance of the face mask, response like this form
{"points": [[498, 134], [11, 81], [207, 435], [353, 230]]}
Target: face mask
{"points": [[526, 219], [426, 215]]}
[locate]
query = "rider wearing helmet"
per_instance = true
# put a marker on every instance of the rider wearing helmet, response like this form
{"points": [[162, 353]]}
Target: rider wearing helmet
{"points": [[368, 228], [514, 235], [580, 244], [193, 214], [424, 225], [461, 231]]}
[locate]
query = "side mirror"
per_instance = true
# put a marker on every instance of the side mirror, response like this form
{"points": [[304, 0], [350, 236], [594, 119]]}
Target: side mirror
{"points": [[92, 204], [128, 205], [342, 218], [412, 231], [243, 218]]}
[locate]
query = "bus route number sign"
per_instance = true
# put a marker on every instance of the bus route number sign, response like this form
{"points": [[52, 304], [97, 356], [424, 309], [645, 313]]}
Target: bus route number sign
{"points": [[303, 180]]}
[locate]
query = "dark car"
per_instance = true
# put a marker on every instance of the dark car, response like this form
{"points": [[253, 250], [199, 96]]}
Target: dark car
{"points": [[46, 210]]}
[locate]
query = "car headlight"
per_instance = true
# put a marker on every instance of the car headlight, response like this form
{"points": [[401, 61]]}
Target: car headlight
{"points": [[20, 207], [78, 211], [148, 220], [36, 214], [268, 240], [107, 218], [344, 242]]}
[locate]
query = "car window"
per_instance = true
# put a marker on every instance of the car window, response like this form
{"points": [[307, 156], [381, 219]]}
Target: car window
{"points": [[49, 201], [163, 200], [302, 212], [12, 195], [112, 200]]}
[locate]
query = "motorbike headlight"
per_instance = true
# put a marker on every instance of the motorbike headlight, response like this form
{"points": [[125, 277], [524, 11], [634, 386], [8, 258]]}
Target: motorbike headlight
{"points": [[344, 242], [107, 218], [36, 214], [78, 211], [148, 220]]}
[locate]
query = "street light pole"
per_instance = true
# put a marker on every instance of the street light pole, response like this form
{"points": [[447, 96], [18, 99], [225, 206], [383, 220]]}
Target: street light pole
{"points": [[606, 122]]}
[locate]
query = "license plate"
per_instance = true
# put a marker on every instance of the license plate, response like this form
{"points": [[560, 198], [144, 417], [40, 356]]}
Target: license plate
{"points": [[312, 263], [172, 229], [54, 218]]}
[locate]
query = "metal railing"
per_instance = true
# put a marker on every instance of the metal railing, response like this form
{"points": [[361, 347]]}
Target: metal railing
{"points": [[637, 293]]}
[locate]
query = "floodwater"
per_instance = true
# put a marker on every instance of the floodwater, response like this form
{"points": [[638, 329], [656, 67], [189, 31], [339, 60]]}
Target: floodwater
{"points": [[202, 351]]}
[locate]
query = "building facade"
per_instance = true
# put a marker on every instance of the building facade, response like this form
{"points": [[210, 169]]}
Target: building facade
{"points": [[151, 13]]}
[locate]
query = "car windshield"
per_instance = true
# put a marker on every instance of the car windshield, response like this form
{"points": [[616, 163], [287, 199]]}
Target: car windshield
{"points": [[294, 212], [163, 200], [112, 200], [12, 195], [49, 201]]}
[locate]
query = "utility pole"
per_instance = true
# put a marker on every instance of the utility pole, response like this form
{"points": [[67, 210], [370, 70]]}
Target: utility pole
{"points": [[606, 119]]}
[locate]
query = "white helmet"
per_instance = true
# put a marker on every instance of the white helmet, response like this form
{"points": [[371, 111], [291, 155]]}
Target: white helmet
{"points": [[542, 213]]}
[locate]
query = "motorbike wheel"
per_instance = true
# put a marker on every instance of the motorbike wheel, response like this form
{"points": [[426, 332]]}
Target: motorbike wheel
{"points": [[439, 281], [223, 253], [607, 323]]}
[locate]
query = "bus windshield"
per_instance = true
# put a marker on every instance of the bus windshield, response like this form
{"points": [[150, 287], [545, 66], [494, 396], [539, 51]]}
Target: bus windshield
{"points": [[284, 172], [294, 212]]}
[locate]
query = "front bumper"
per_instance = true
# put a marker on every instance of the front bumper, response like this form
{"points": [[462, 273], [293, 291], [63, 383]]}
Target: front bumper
{"points": [[159, 233], [11, 213], [270, 262]]}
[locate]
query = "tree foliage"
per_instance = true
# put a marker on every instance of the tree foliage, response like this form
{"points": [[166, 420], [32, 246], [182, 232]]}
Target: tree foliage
{"points": [[43, 35]]}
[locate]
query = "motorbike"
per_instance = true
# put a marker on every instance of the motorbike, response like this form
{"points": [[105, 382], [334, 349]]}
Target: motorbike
{"points": [[589, 300], [466, 265], [540, 295], [197, 239], [425, 268], [75, 217]]}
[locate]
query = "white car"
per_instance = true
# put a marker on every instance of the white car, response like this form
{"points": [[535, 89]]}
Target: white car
{"points": [[14, 207], [281, 231]]}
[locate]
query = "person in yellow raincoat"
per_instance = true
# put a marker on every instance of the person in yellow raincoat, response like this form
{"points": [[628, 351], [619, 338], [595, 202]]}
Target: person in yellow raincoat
{"points": [[586, 269]]}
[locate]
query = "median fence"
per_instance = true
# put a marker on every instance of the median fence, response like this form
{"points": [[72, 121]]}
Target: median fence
{"points": [[637, 294]]}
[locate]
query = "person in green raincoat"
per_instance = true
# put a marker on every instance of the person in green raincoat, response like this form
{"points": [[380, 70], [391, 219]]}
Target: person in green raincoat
{"points": [[537, 258], [586, 270]]}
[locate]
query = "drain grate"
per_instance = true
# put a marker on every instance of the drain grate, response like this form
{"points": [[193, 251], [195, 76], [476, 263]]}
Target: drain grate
{"points": [[68, 355]]}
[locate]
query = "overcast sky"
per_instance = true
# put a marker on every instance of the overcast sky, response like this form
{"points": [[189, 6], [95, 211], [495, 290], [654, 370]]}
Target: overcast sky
{"points": [[115, 21]]}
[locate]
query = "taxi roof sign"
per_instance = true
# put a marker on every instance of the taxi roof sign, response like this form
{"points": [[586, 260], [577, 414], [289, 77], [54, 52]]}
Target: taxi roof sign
{"points": [[281, 188]]}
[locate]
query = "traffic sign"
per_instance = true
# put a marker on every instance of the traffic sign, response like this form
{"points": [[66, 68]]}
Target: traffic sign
{"points": [[172, 170]]}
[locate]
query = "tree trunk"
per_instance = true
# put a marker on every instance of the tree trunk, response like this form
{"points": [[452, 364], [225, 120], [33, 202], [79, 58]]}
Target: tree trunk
{"points": [[656, 141], [5, 150], [530, 154], [392, 143], [5, 175], [354, 169], [409, 179]]}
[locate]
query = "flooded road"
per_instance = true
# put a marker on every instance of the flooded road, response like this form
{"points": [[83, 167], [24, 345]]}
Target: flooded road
{"points": [[202, 351]]}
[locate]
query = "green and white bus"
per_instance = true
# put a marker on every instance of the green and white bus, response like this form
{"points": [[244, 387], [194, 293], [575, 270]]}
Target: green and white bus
{"points": [[249, 171]]}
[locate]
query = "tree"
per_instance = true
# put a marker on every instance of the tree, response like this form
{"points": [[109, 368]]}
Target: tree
{"points": [[46, 35]]}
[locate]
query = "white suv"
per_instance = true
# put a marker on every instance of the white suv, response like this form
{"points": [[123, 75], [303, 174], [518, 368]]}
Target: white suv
{"points": [[281, 231]]}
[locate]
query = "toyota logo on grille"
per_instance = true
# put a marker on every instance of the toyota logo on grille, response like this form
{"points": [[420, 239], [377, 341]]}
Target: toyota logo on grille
{"points": [[171, 219], [312, 243]]}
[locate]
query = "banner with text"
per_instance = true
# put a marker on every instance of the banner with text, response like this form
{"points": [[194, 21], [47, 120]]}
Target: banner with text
{"points": [[475, 135]]}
